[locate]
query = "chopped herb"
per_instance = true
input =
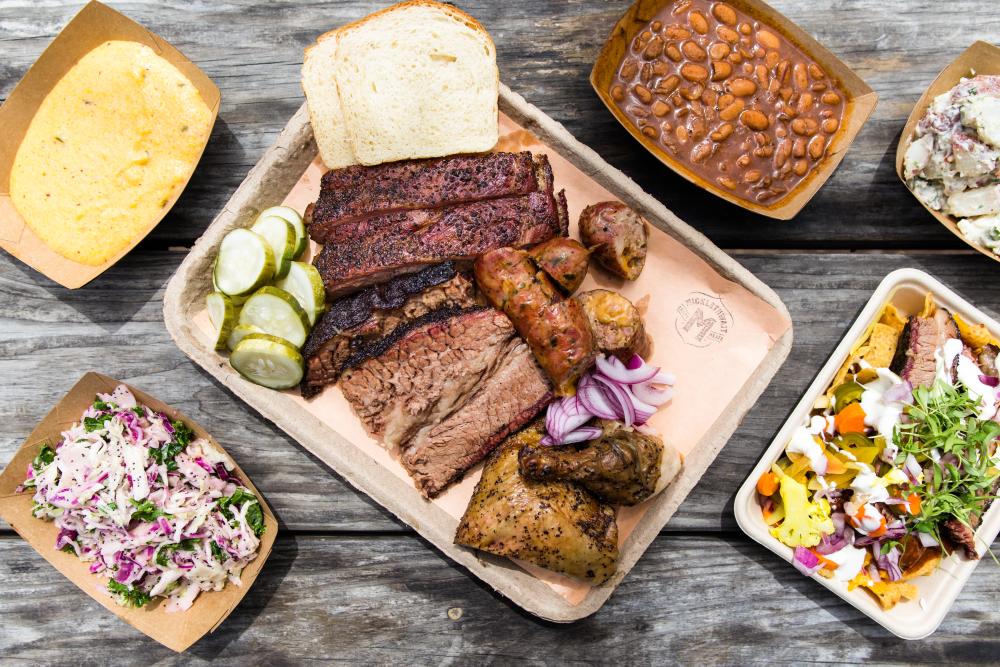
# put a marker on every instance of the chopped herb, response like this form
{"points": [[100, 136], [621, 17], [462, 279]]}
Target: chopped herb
{"points": [[68, 548], [218, 552], [139, 412], [182, 434], [46, 455], [145, 511], [255, 515], [102, 406], [958, 484], [128, 596], [166, 454], [184, 545], [91, 424]]}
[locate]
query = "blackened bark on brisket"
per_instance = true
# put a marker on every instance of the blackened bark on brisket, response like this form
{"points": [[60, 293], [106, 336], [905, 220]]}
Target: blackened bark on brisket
{"points": [[357, 192], [374, 312], [386, 246], [922, 336]]}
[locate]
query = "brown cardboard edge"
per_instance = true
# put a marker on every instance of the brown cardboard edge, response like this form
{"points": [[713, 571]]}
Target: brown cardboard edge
{"points": [[279, 169], [40, 534], [861, 103], [94, 24], [982, 57]]}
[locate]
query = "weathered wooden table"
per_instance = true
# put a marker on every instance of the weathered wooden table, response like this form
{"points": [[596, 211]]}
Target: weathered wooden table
{"points": [[346, 582]]}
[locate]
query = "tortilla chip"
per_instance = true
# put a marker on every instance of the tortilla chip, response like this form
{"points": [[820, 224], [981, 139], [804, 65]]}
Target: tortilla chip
{"points": [[893, 318], [881, 346], [977, 337], [930, 306], [889, 593]]}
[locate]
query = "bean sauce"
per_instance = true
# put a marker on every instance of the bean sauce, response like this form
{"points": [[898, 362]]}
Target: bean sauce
{"points": [[730, 97]]}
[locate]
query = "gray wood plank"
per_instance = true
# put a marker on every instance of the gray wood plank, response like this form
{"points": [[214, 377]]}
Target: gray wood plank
{"points": [[386, 600], [52, 335], [253, 51]]}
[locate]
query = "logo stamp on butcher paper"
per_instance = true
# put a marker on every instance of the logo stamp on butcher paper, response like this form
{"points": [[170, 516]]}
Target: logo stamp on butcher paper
{"points": [[703, 320]]}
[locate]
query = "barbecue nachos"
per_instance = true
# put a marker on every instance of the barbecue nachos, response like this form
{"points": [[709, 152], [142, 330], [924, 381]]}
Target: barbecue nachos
{"points": [[898, 461]]}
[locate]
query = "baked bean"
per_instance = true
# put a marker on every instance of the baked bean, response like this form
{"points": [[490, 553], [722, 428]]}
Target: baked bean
{"points": [[768, 39], [647, 72], [668, 85], [816, 72], [785, 93], [771, 59], [660, 108], [629, 69], [723, 132], [830, 98], [799, 147], [701, 152], [781, 71], [780, 132], [693, 51], [698, 22], [726, 182], [735, 58], [733, 111], [745, 43], [764, 151], [804, 104], [752, 176], [643, 93], [772, 87], [782, 153], [655, 26], [718, 50], [661, 68], [745, 28], [678, 102], [725, 100], [741, 87], [817, 146], [801, 167], [650, 131], [681, 133], [743, 161], [721, 70], [653, 49], [677, 32], [673, 53], [818, 87], [801, 79], [747, 69], [727, 34], [754, 119], [693, 92], [681, 7], [760, 71], [830, 125], [724, 13], [617, 92], [639, 112], [693, 72], [709, 98]]}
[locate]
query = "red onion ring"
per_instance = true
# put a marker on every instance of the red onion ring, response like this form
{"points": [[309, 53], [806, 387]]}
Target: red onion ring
{"points": [[610, 367]]}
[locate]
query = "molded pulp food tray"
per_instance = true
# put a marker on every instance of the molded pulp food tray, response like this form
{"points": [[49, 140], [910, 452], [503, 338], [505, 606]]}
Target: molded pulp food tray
{"points": [[708, 316], [906, 289]]}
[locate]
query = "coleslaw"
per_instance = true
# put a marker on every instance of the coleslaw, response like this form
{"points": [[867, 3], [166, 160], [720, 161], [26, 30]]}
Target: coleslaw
{"points": [[147, 503]]}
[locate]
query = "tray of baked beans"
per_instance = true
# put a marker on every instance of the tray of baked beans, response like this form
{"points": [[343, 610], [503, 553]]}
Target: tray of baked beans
{"points": [[734, 97]]}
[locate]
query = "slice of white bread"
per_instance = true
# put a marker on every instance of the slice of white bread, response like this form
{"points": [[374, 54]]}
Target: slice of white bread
{"points": [[418, 79], [325, 114]]}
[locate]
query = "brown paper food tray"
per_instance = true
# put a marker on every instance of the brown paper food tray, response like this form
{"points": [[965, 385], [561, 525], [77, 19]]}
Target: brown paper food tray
{"points": [[273, 177], [861, 101], [91, 27], [980, 58], [177, 630]]}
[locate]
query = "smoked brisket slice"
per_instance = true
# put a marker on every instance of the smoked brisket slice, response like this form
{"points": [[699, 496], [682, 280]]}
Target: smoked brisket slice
{"points": [[377, 248], [502, 404], [356, 192], [922, 336], [424, 370], [374, 312]]}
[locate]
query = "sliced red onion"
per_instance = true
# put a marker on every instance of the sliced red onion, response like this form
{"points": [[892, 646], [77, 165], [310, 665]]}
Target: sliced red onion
{"points": [[873, 572], [890, 563], [900, 393], [593, 397], [989, 380], [582, 434], [912, 469], [805, 561], [927, 540], [627, 409], [612, 368], [647, 393]]}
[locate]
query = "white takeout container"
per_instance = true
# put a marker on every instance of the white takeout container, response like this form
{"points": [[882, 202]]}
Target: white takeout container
{"points": [[906, 289]]}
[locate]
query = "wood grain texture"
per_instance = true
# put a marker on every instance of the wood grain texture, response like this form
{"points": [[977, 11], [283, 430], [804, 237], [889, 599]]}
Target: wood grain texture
{"points": [[253, 51], [702, 600], [347, 582]]}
